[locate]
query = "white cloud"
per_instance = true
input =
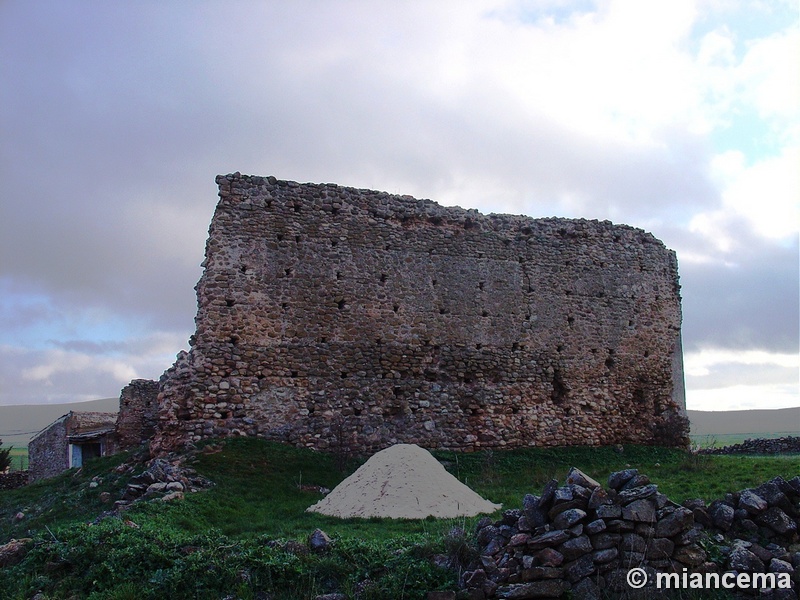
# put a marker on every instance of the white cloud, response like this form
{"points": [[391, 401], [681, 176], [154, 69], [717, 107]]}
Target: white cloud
{"points": [[717, 49], [769, 77], [744, 397], [60, 362], [750, 84], [700, 363], [678, 117], [721, 379], [618, 73], [79, 370], [766, 195]]}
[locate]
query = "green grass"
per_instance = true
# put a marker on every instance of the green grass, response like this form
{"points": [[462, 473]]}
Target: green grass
{"points": [[507, 476], [60, 501], [233, 538], [257, 492], [19, 458]]}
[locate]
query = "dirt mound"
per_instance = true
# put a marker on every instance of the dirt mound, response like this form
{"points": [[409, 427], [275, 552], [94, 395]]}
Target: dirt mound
{"points": [[403, 481]]}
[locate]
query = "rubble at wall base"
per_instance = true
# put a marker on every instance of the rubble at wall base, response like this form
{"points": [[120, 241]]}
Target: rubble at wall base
{"points": [[13, 480]]}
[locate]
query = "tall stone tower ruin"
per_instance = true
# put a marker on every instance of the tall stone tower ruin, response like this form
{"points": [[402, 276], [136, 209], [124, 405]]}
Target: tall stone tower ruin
{"points": [[334, 317]]}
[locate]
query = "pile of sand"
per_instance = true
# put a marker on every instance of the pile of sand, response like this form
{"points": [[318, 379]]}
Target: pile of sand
{"points": [[402, 482]]}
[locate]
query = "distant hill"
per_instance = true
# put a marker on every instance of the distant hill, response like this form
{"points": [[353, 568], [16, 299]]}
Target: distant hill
{"points": [[19, 423], [780, 421]]}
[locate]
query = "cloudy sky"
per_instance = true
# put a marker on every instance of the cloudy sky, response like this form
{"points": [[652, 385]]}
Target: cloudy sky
{"points": [[676, 116]]}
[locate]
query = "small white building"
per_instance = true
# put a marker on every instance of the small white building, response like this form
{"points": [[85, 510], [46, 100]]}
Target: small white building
{"points": [[71, 440]]}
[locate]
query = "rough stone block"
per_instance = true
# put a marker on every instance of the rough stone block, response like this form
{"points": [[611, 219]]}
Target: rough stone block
{"points": [[752, 502], [578, 477], [601, 541], [572, 549], [580, 568], [659, 549], [568, 518], [777, 520], [619, 478], [549, 557], [548, 588], [674, 523], [595, 527], [742, 560], [643, 511]]}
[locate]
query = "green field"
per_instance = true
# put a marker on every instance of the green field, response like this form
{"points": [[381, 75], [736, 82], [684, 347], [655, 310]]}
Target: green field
{"points": [[19, 458], [237, 538]]}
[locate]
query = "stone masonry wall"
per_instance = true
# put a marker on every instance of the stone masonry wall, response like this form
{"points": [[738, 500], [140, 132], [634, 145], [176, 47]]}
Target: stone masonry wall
{"points": [[48, 452], [138, 411], [334, 317]]}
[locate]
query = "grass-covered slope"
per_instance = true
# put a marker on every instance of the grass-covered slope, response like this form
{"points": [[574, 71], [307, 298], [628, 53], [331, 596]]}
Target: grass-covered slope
{"points": [[245, 537]]}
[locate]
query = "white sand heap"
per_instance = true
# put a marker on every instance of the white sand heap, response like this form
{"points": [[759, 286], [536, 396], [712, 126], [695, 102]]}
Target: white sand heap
{"points": [[402, 482]]}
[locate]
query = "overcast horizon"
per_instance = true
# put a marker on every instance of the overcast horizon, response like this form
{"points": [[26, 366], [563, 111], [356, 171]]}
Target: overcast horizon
{"points": [[679, 118]]}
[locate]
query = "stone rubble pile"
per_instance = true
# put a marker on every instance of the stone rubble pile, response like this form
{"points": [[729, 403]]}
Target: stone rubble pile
{"points": [[583, 539], [13, 480], [163, 479], [782, 445], [768, 512], [13, 551]]}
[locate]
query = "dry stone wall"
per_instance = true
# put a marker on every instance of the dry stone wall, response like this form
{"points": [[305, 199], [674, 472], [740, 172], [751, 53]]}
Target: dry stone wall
{"points": [[582, 538], [782, 445], [334, 317]]}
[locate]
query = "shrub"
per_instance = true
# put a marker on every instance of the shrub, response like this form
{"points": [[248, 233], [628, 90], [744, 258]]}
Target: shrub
{"points": [[5, 457]]}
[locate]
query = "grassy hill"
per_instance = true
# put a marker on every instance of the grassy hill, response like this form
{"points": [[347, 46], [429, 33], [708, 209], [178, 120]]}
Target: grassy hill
{"points": [[784, 420], [723, 428], [245, 537]]}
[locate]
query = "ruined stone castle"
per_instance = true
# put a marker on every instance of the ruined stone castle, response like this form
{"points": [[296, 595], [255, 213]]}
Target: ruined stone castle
{"points": [[333, 317]]}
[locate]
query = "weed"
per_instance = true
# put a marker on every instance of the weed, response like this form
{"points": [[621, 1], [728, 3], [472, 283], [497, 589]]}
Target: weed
{"points": [[339, 444], [694, 462], [124, 591]]}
